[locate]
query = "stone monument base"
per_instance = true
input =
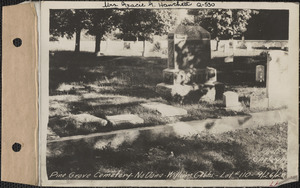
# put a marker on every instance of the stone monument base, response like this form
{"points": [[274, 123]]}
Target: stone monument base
{"points": [[184, 77], [169, 90], [208, 92]]}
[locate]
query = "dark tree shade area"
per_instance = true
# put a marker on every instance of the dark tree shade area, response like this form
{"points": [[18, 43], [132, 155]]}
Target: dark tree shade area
{"points": [[143, 24], [135, 23], [268, 25]]}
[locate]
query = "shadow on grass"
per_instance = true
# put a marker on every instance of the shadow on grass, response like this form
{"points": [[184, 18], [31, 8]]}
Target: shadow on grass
{"points": [[134, 91], [83, 106], [83, 68], [138, 76], [157, 154], [63, 127]]}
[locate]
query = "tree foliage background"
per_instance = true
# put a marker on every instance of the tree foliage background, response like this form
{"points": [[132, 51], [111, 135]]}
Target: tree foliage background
{"points": [[101, 21], [143, 24], [222, 23], [137, 23], [67, 22]]}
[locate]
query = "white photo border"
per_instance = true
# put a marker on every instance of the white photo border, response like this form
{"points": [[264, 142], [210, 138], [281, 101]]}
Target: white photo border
{"points": [[292, 169]]}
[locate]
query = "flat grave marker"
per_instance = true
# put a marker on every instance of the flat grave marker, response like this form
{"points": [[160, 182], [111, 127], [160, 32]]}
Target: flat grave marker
{"points": [[125, 118], [164, 109], [80, 119]]}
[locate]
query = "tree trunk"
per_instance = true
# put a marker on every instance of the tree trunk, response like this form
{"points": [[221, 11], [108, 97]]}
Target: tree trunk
{"points": [[77, 40], [144, 46], [98, 42]]}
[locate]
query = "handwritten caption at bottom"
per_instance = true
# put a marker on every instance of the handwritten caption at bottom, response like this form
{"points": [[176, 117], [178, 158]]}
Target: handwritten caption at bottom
{"points": [[169, 175]]}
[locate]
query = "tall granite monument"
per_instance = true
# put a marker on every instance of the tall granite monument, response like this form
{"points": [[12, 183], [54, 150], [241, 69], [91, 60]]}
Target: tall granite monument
{"points": [[189, 56]]}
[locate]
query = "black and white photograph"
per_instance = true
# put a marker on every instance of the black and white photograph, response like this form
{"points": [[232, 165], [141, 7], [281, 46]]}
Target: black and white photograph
{"points": [[174, 91]]}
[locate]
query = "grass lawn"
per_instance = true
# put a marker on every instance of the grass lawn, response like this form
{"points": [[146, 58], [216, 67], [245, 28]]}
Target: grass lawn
{"points": [[112, 85], [252, 151]]}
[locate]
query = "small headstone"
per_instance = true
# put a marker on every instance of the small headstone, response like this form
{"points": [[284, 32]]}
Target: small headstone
{"points": [[260, 73], [125, 119], [231, 101], [165, 110], [230, 98], [211, 75]]}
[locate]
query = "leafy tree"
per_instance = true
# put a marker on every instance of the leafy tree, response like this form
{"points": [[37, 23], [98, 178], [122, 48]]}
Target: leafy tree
{"points": [[268, 25], [145, 23], [138, 23], [222, 23], [102, 21], [66, 22]]}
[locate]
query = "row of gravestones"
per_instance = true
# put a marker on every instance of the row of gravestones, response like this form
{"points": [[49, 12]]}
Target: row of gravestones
{"points": [[227, 48]]}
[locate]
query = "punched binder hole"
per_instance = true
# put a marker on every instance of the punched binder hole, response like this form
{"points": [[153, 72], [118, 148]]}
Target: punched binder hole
{"points": [[17, 42], [16, 147]]}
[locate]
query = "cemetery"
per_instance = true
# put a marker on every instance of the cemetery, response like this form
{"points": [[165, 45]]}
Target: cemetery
{"points": [[156, 89], [194, 109], [189, 93]]}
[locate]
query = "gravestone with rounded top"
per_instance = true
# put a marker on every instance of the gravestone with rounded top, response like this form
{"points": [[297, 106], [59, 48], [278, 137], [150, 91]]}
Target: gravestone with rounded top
{"points": [[211, 75], [260, 73]]}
